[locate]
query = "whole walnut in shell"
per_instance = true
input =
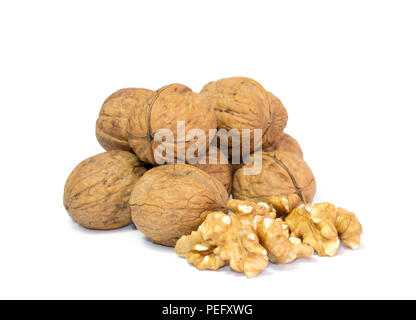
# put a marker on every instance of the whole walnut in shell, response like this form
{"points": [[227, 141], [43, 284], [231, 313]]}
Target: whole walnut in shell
{"points": [[282, 174], [98, 190], [286, 143], [170, 201], [220, 171], [111, 125], [242, 103], [163, 110]]}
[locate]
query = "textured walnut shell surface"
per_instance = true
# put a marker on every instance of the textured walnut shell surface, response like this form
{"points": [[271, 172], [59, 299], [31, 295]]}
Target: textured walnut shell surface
{"points": [[97, 191], [236, 166], [242, 103], [170, 201], [221, 171], [112, 122], [162, 110], [286, 144], [279, 118], [282, 173]]}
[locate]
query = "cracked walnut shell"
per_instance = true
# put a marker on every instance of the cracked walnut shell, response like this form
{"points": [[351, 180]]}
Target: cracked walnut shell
{"points": [[164, 110], [98, 190], [282, 173], [242, 103], [111, 125], [172, 200]]}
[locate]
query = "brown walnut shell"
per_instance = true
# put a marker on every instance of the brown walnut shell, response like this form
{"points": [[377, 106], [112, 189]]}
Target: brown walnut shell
{"points": [[162, 110], [111, 125], [221, 171], [242, 103], [98, 190], [282, 174], [172, 200], [286, 144]]}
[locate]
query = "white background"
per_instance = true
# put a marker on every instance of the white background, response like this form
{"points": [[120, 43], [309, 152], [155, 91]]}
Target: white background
{"points": [[345, 70]]}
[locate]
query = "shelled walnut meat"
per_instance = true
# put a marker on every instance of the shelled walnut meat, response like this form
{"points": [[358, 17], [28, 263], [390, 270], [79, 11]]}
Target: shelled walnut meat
{"points": [[322, 225], [245, 239], [222, 239], [273, 233], [243, 103], [282, 173], [111, 125], [172, 200], [98, 190], [162, 110]]}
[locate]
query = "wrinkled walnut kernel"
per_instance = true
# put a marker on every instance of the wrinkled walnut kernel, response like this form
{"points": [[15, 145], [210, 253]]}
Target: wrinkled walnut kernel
{"points": [[227, 241], [273, 233], [315, 229], [285, 204], [320, 225], [349, 228]]}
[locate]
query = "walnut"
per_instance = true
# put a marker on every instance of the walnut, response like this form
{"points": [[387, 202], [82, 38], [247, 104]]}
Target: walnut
{"points": [[111, 126], [273, 233], [222, 239], [286, 143], [320, 225], [315, 225], [172, 200], [221, 171], [285, 204], [236, 166], [279, 118], [282, 174], [242, 103], [199, 252], [247, 210], [349, 228], [162, 110], [245, 239], [98, 190]]}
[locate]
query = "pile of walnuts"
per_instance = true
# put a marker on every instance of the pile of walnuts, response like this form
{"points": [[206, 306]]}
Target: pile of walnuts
{"points": [[184, 203]]}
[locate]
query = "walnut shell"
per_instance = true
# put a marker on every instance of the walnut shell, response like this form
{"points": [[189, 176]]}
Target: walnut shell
{"points": [[286, 144], [111, 125], [282, 173], [170, 201], [242, 103], [221, 171], [98, 190], [162, 110], [236, 166]]}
